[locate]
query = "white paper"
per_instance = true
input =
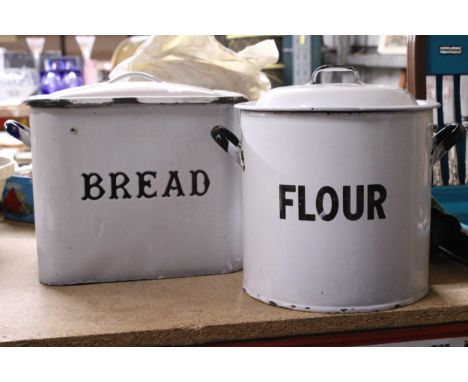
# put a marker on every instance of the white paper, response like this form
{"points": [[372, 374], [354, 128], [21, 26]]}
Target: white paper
{"points": [[203, 61]]}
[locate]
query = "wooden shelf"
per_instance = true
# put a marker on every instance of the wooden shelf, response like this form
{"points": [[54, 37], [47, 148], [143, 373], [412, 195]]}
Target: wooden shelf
{"points": [[197, 310]]}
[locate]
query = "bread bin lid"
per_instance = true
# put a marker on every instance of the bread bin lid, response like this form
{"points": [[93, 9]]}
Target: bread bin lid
{"points": [[133, 88], [337, 97]]}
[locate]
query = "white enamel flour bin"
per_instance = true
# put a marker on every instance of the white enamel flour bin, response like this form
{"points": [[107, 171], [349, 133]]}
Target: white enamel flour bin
{"points": [[128, 185], [336, 195]]}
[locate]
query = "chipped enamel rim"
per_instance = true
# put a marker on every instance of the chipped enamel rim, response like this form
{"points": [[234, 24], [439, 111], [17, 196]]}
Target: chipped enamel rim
{"points": [[147, 90], [337, 309], [422, 105], [38, 101]]}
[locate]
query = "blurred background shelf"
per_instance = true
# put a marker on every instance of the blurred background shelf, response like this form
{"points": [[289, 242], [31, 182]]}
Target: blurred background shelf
{"points": [[371, 60]]}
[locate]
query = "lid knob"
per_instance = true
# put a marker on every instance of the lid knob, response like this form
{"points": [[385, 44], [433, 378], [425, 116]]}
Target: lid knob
{"points": [[334, 68], [135, 74]]}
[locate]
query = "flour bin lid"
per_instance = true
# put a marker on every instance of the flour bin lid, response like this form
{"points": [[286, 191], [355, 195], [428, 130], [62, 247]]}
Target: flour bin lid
{"points": [[337, 97], [133, 88]]}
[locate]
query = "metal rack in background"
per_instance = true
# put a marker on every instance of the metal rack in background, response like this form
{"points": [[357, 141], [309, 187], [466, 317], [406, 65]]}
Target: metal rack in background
{"points": [[302, 54], [440, 57]]}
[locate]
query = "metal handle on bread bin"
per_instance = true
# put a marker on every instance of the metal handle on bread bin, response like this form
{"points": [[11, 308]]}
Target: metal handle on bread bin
{"points": [[18, 131], [229, 142]]}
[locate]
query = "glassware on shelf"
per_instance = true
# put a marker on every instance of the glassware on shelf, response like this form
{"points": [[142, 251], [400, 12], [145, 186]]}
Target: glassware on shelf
{"points": [[61, 73], [2, 59], [36, 45], [86, 44], [18, 77]]}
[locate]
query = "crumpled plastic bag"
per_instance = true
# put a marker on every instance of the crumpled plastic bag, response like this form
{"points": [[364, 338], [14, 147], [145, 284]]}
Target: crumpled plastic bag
{"points": [[205, 62]]}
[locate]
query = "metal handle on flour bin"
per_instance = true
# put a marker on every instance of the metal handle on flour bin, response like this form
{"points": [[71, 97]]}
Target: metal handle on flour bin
{"points": [[334, 68], [229, 142], [134, 74], [18, 131], [445, 138]]}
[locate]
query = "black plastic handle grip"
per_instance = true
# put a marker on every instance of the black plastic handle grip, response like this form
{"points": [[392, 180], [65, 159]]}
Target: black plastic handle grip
{"points": [[223, 136], [445, 139]]}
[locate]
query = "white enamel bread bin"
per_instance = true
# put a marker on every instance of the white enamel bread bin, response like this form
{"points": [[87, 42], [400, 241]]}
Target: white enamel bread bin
{"points": [[128, 185]]}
